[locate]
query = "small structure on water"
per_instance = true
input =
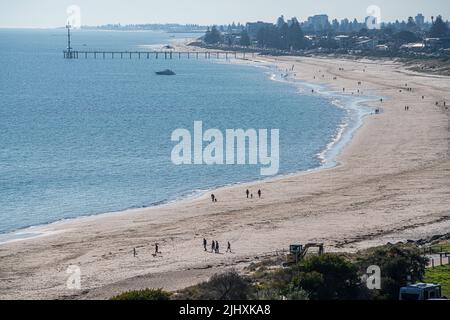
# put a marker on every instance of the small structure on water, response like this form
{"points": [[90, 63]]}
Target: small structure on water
{"points": [[166, 72]]}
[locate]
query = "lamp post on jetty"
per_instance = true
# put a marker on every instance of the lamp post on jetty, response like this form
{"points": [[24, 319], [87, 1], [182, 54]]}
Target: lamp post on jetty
{"points": [[68, 53]]}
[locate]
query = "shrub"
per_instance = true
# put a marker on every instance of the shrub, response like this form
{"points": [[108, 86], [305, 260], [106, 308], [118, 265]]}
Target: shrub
{"points": [[327, 277], [297, 294], [147, 294], [399, 265], [226, 286]]}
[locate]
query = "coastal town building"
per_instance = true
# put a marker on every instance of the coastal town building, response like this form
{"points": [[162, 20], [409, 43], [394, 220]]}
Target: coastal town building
{"points": [[318, 23], [254, 27]]}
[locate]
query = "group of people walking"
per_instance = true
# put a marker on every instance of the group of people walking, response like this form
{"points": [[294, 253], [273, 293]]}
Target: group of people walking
{"points": [[250, 195], [247, 192], [215, 246]]}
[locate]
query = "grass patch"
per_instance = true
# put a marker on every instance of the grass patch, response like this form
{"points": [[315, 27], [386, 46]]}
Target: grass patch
{"points": [[444, 245], [439, 275]]}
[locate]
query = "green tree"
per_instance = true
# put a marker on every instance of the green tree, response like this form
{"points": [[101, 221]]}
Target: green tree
{"points": [[406, 36], [295, 36], [439, 28], [270, 37], [328, 277], [245, 39], [213, 36], [283, 31], [411, 25], [399, 265]]}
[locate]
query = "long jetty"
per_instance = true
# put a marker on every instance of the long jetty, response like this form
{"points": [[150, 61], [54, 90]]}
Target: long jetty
{"points": [[70, 53], [167, 55]]}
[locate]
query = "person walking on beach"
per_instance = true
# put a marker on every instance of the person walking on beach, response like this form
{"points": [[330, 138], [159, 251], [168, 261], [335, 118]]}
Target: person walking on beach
{"points": [[217, 247], [213, 198], [259, 193], [248, 193], [205, 243], [134, 252], [229, 247], [156, 248], [213, 246]]}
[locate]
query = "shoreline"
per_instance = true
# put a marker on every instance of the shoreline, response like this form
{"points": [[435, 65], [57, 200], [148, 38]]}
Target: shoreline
{"points": [[391, 184], [328, 158]]}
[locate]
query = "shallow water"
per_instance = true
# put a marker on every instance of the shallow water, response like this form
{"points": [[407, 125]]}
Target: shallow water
{"points": [[83, 137]]}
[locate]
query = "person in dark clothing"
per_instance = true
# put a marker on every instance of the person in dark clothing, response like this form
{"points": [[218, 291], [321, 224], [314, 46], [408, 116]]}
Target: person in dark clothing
{"points": [[213, 246], [156, 249], [248, 193], [229, 247], [205, 243], [259, 193], [213, 198]]}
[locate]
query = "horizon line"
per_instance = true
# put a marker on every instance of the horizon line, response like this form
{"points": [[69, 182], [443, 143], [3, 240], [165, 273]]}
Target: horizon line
{"points": [[206, 25]]}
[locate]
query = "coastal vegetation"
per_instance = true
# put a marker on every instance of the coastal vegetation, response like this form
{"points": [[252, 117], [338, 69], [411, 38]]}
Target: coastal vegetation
{"points": [[227, 286], [412, 38], [147, 294], [326, 277], [400, 265]]}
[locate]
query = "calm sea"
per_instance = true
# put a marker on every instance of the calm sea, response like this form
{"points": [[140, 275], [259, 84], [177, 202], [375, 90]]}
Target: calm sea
{"points": [[84, 137]]}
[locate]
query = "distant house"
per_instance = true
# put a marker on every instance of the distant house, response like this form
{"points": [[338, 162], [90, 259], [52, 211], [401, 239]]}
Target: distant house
{"points": [[413, 46], [365, 43], [318, 23], [382, 47], [437, 43], [232, 39], [344, 41]]}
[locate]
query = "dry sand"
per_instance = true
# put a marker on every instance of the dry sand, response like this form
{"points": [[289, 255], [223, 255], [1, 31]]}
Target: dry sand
{"points": [[392, 183]]}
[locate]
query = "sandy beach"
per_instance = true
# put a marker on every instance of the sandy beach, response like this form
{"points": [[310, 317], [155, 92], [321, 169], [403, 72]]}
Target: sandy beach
{"points": [[392, 183]]}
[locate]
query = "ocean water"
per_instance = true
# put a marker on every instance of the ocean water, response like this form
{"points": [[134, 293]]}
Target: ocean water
{"points": [[84, 137]]}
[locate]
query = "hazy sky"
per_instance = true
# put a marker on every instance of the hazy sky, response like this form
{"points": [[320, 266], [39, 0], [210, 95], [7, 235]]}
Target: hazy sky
{"points": [[52, 13]]}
